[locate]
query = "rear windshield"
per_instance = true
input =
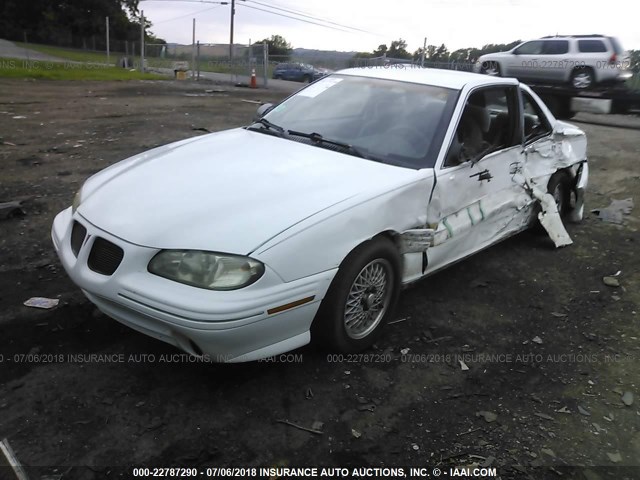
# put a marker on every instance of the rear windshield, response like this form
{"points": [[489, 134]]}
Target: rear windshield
{"points": [[616, 45], [591, 46]]}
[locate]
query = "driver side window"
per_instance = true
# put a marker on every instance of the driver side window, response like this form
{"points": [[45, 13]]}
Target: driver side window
{"points": [[486, 125], [530, 48]]}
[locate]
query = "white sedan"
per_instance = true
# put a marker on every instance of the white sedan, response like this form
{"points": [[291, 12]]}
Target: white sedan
{"points": [[303, 226]]}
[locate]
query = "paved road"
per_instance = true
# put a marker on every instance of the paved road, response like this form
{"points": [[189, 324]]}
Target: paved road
{"points": [[11, 50], [277, 85]]}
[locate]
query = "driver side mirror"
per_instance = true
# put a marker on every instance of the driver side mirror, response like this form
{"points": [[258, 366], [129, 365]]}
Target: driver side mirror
{"points": [[262, 110]]}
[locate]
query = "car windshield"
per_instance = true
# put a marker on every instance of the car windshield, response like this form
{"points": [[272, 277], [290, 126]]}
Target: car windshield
{"points": [[390, 121]]}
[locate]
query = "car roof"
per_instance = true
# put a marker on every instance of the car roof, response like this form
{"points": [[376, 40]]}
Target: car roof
{"points": [[428, 76], [595, 35]]}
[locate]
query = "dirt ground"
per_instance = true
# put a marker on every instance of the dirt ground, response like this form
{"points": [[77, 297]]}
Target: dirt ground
{"points": [[550, 349]]}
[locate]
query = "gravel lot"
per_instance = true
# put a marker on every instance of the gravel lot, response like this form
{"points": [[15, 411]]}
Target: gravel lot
{"points": [[530, 408]]}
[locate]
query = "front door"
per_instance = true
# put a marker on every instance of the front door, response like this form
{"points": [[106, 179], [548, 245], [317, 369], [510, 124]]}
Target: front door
{"points": [[477, 199]]}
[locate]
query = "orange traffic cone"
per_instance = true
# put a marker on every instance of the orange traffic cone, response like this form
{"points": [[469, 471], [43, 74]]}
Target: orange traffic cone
{"points": [[254, 83]]}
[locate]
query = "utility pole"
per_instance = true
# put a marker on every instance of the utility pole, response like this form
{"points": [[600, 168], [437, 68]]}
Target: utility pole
{"points": [[233, 12], [265, 62], [107, 28], [142, 41], [193, 52], [424, 48]]}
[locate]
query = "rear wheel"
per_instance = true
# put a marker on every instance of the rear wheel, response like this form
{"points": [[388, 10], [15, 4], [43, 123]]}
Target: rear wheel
{"points": [[582, 78], [361, 298], [560, 188]]}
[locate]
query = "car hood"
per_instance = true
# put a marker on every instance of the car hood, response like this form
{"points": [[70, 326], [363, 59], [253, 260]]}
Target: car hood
{"points": [[229, 191]]}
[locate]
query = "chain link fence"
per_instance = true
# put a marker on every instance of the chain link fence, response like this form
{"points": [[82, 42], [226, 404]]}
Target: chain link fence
{"points": [[240, 62]]}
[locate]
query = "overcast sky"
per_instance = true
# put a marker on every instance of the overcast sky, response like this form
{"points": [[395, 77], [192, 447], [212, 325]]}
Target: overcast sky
{"points": [[456, 23]]}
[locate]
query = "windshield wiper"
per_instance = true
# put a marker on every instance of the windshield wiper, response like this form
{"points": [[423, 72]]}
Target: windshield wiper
{"points": [[319, 140], [270, 126]]}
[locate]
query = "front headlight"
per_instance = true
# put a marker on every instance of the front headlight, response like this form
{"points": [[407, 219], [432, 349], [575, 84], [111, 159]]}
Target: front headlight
{"points": [[211, 270]]}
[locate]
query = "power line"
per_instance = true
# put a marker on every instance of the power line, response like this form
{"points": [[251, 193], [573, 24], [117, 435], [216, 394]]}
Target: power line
{"points": [[309, 16], [187, 15], [294, 18]]}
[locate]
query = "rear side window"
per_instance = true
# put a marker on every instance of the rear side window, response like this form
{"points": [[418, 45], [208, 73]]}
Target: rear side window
{"points": [[591, 46], [555, 47]]}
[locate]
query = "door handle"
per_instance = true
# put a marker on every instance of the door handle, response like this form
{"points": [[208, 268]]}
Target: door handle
{"points": [[483, 175]]}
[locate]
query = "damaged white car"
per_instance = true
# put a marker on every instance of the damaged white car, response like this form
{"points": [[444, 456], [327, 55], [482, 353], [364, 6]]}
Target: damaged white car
{"points": [[303, 226]]}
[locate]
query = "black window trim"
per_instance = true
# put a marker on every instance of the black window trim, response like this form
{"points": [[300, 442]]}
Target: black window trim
{"points": [[548, 41], [541, 113], [588, 40], [513, 103], [525, 43]]}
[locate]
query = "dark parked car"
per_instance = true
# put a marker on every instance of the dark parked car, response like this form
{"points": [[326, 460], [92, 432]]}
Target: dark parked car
{"points": [[298, 72]]}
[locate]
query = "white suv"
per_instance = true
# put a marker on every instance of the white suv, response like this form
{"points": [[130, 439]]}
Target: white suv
{"points": [[580, 60]]}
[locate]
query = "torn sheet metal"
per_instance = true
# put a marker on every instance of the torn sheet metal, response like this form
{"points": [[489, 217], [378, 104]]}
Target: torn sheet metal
{"points": [[550, 218], [415, 240]]}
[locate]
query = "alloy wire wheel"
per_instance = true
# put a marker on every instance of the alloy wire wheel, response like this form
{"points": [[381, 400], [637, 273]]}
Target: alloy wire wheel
{"points": [[368, 299], [360, 299], [582, 79]]}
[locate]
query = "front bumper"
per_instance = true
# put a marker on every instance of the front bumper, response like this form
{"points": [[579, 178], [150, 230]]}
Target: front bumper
{"points": [[222, 326]]}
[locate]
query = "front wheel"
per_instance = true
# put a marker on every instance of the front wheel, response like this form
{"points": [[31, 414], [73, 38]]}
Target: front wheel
{"points": [[361, 298], [491, 68]]}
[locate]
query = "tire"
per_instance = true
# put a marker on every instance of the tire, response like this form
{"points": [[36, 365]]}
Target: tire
{"points": [[582, 78], [491, 68], [560, 188], [361, 298], [306, 79]]}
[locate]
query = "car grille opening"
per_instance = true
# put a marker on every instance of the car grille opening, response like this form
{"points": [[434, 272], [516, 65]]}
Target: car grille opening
{"points": [[105, 257], [78, 234]]}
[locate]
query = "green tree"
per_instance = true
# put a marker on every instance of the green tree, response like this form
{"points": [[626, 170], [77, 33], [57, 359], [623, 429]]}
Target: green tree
{"points": [[398, 49], [380, 51], [68, 22], [441, 54], [634, 59], [278, 46]]}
